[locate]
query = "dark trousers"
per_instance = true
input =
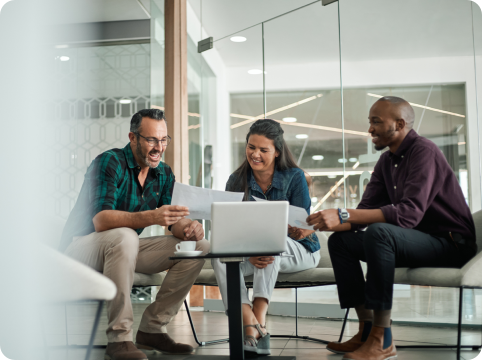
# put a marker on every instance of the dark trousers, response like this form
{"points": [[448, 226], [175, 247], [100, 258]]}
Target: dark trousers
{"points": [[384, 247]]}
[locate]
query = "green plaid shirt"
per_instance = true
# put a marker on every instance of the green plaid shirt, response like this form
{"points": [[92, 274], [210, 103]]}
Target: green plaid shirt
{"points": [[111, 183]]}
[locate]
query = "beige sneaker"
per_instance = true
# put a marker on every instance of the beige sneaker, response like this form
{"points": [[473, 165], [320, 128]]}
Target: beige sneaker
{"points": [[124, 350]]}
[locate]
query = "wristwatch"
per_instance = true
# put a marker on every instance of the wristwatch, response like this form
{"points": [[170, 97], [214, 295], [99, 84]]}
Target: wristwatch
{"points": [[344, 215]]}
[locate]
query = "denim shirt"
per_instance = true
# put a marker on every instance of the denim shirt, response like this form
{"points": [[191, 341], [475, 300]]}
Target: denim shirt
{"points": [[289, 185]]}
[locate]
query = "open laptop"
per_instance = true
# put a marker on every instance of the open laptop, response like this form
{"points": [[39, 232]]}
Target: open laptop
{"points": [[249, 227]]}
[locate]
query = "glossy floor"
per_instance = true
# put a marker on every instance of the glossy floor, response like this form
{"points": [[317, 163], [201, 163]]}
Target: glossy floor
{"points": [[211, 325]]}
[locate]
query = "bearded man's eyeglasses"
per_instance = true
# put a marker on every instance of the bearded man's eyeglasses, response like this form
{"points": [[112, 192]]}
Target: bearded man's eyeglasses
{"points": [[153, 141]]}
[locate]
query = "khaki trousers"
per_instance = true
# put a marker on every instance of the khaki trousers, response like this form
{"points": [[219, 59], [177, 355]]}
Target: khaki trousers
{"points": [[118, 253]]}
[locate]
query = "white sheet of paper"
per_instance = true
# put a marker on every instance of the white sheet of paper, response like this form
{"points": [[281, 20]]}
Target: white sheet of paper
{"points": [[199, 200], [296, 216]]}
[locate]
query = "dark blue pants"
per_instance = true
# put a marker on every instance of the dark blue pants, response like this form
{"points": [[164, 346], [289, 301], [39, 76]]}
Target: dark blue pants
{"points": [[384, 247]]}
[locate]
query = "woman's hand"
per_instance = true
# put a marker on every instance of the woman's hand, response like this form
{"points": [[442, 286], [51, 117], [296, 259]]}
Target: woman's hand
{"points": [[298, 234], [261, 261]]}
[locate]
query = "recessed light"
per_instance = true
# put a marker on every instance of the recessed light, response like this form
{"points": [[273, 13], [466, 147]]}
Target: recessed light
{"points": [[314, 199], [352, 159], [125, 101], [238, 39], [142, 299], [290, 119], [331, 176], [341, 161], [256, 72], [61, 46], [302, 136], [64, 58], [317, 157]]}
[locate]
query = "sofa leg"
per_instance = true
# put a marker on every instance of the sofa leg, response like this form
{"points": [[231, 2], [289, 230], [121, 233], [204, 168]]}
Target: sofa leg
{"points": [[344, 324], [459, 325], [94, 329], [296, 310]]}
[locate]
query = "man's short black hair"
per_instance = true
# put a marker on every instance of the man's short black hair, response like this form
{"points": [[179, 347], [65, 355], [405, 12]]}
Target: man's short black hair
{"points": [[136, 120]]}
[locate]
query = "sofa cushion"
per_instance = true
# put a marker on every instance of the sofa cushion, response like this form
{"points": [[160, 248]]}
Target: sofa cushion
{"points": [[149, 279]]}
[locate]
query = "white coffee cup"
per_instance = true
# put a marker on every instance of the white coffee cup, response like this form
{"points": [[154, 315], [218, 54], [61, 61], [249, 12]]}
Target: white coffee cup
{"points": [[186, 246]]}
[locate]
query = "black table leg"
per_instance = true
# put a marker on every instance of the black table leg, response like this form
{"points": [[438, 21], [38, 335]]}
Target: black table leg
{"points": [[235, 314]]}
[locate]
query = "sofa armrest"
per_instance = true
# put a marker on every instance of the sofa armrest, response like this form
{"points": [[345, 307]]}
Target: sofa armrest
{"points": [[471, 272]]}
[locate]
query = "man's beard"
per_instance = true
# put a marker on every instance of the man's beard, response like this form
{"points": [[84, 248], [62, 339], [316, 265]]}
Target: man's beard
{"points": [[389, 135], [145, 158]]}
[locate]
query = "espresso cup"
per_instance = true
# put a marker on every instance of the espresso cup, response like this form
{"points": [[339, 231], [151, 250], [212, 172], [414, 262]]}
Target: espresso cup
{"points": [[186, 246]]}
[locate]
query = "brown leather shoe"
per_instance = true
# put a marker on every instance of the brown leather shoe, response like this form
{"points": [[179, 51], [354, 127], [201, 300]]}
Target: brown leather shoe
{"points": [[379, 346], [124, 350], [161, 342], [354, 343]]}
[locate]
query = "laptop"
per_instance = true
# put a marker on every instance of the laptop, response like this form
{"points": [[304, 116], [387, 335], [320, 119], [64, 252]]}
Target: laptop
{"points": [[250, 227]]}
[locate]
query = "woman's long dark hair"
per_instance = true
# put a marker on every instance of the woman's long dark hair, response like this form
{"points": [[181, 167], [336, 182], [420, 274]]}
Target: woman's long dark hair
{"points": [[272, 130]]}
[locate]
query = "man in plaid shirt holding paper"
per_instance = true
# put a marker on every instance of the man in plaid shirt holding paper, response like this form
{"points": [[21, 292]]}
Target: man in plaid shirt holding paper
{"points": [[124, 191]]}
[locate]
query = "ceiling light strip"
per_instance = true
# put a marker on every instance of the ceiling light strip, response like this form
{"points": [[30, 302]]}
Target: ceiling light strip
{"points": [[317, 127], [326, 128], [261, 116], [423, 107], [192, 127]]}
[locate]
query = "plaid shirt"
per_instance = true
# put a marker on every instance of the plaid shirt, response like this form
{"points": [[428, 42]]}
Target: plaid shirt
{"points": [[111, 183]]}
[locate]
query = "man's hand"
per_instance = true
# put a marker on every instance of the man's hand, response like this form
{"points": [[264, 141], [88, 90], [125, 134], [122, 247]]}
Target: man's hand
{"points": [[298, 234], [167, 215], [187, 229], [261, 261], [324, 220], [193, 231]]}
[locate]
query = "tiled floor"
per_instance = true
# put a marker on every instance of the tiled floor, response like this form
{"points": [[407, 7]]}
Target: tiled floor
{"points": [[211, 325]]}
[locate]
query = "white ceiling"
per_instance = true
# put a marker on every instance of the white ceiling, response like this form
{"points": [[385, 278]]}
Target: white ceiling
{"points": [[371, 29], [85, 11]]}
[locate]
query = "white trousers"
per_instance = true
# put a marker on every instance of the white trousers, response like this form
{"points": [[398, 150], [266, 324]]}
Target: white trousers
{"points": [[264, 280]]}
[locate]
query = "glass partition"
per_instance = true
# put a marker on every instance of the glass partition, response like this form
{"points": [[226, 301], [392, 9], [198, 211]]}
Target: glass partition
{"points": [[243, 54], [303, 94], [318, 70], [476, 133]]}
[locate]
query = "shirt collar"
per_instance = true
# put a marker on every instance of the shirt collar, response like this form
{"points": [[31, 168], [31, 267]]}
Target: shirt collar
{"points": [[406, 143], [132, 163], [276, 183]]}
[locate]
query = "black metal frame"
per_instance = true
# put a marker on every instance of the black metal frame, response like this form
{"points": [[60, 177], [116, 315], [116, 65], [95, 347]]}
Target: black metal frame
{"points": [[458, 346], [90, 345], [296, 336]]}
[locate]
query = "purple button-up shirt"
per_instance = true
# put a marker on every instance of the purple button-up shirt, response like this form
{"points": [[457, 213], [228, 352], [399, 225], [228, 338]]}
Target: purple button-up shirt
{"points": [[416, 188]]}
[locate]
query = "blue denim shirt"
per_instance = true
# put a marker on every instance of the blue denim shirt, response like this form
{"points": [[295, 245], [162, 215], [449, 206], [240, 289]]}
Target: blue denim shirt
{"points": [[289, 185]]}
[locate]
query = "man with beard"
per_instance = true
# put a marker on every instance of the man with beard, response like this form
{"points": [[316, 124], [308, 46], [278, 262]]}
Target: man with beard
{"points": [[124, 191], [416, 216]]}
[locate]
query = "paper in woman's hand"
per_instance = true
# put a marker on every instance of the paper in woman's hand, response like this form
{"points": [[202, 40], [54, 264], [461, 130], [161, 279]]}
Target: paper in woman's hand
{"points": [[296, 216]]}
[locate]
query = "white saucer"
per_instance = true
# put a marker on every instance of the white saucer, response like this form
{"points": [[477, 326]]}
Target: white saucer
{"points": [[188, 253]]}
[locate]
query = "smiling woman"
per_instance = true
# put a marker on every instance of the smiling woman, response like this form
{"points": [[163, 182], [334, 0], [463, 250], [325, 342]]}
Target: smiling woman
{"points": [[269, 172]]}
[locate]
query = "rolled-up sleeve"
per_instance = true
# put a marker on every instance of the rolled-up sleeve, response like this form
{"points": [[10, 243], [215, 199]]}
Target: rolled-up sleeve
{"points": [[375, 195], [422, 184], [102, 178]]}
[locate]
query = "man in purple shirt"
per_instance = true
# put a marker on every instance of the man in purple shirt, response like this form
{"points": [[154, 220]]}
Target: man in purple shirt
{"points": [[416, 216]]}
